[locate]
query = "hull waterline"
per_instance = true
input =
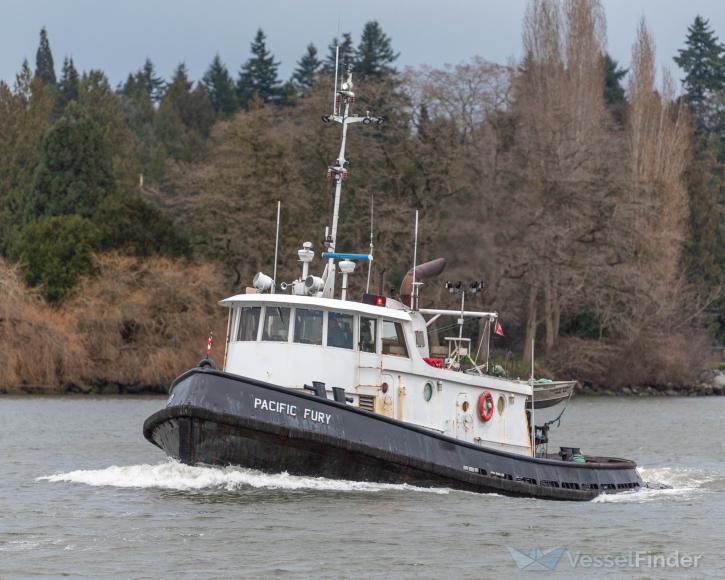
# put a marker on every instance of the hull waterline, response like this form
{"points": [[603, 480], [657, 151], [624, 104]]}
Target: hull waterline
{"points": [[216, 418]]}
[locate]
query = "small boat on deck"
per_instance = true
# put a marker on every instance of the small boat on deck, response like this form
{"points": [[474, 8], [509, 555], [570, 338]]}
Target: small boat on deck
{"points": [[314, 383]]}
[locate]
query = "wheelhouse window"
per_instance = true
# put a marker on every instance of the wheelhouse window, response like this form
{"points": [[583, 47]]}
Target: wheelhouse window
{"points": [[367, 334], [393, 339], [248, 323], [339, 330], [308, 326], [276, 324]]}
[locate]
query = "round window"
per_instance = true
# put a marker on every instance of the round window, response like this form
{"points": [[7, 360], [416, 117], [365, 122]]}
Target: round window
{"points": [[501, 403], [465, 406], [427, 391]]}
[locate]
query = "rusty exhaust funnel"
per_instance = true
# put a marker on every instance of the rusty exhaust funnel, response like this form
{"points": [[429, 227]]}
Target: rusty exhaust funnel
{"points": [[424, 272]]}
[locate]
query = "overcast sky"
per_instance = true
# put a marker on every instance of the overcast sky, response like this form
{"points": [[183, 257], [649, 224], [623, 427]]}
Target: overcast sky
{"points": [[116, 36]]}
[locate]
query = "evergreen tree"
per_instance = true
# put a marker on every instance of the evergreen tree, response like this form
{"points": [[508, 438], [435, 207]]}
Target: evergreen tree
{"points": [[613, 76], [104, 108], [346, 54], [140, 114], [25, 115], [219, 87], [258, 77], [75, 171], [133, 225], [375, 54], [150, 81], [44, 68], [703, 61], [308, 67], [614, 95], [704, 66], [185, 117], [55, 252], [67, 86]]}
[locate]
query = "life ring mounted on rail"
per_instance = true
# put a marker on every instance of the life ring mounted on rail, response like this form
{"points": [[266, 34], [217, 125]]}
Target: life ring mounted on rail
{"points": [[485, 406]]}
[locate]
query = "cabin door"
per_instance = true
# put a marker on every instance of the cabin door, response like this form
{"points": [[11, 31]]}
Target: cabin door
{"points": [[464, 418]]}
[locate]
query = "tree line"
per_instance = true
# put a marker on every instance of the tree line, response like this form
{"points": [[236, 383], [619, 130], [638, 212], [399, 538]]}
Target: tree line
{"points": [[588, 195]]}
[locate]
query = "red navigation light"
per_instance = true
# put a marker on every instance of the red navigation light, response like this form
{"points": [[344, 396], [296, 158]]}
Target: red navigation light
{"points": [[374, 299]]}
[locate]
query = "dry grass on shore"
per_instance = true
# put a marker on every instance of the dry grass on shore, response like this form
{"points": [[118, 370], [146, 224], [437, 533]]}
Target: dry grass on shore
{"points": [[133, 323], [37, 347]]}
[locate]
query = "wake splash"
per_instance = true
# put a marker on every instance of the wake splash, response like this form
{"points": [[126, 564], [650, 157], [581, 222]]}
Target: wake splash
{"points": [[179, 477], [684, 483]]}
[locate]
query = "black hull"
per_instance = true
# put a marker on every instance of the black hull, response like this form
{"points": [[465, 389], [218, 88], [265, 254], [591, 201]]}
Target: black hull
{"points": [[215, 418]]}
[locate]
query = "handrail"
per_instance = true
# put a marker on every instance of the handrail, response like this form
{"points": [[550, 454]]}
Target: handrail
{"points": [[468, 313]]}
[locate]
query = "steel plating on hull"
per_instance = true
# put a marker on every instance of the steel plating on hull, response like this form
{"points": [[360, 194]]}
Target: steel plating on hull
{"points": [[216, 418]]}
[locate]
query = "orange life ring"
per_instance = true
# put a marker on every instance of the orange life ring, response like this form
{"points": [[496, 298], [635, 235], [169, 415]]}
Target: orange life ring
{"points": [[485, 406]]}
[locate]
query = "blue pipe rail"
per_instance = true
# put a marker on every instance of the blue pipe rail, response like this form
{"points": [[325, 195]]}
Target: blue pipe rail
{"points": [[342, 256]]}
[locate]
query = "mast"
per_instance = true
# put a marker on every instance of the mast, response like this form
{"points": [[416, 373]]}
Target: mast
{"points": [[344, 97]]}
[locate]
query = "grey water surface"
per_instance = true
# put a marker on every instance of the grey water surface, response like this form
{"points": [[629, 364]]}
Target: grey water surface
{"points": [[82, 494]]}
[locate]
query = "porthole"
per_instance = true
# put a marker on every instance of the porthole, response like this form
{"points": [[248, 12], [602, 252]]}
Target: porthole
{"points": [[428, 391], [465, 406], [501, 404]]}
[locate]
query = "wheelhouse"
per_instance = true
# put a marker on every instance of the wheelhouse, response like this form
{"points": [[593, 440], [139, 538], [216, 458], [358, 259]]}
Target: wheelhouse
{"points": [[319, 322]]}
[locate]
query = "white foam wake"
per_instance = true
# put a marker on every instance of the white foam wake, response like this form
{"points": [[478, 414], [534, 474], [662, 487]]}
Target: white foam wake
{"points": [[177, 476], [682, 482]]}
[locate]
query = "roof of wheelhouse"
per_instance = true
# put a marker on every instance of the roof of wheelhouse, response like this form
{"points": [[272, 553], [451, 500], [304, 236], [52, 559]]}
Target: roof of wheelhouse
{"points": [[316, 302]]}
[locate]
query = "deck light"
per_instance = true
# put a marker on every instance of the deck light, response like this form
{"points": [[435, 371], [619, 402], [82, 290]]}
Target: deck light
{"points": [[262, 282]]}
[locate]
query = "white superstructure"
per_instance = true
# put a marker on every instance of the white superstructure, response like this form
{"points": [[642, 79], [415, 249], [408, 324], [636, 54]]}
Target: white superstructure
{"points": [[378, 351]]}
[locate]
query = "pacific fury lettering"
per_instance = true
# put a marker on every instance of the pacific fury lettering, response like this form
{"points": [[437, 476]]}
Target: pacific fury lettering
{"points": [[291, 410]]}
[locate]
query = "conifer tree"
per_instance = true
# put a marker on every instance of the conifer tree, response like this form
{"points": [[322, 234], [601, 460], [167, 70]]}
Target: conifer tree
{"points": [[55, 252], [613, 76], [703, 62], [374, 55], [185, 117], [140, 114], [67, 86], [614, 95], [307, 69], [44, 68], [219, 87], [258, 77], [152, 82], [75, 171], [346, 54], [104, 107]]}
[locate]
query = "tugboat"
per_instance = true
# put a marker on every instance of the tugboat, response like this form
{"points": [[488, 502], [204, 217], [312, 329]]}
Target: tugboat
{"points": [[319, 385]]}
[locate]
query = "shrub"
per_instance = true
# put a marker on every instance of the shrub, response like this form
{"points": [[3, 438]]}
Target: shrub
{"points": [[56, 252]]}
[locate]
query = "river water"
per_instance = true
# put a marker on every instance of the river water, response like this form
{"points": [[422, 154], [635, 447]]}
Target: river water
{"points": [[84, 495]]}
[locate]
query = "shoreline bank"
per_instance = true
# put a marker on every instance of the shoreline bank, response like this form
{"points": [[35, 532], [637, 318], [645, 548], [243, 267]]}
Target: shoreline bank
{"points": [[713, 385], [85, 390]]}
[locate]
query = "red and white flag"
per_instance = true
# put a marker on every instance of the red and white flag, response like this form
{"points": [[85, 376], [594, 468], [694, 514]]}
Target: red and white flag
{"points": [[209, 343], [497, 329]]}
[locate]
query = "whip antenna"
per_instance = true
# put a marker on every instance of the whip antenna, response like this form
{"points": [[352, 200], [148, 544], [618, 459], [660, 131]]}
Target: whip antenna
{"points": [[370, 261], [276, 248]]}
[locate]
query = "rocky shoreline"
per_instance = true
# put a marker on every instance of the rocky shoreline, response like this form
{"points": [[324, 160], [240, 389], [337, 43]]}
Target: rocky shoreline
{"points": [[710, 383]]}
